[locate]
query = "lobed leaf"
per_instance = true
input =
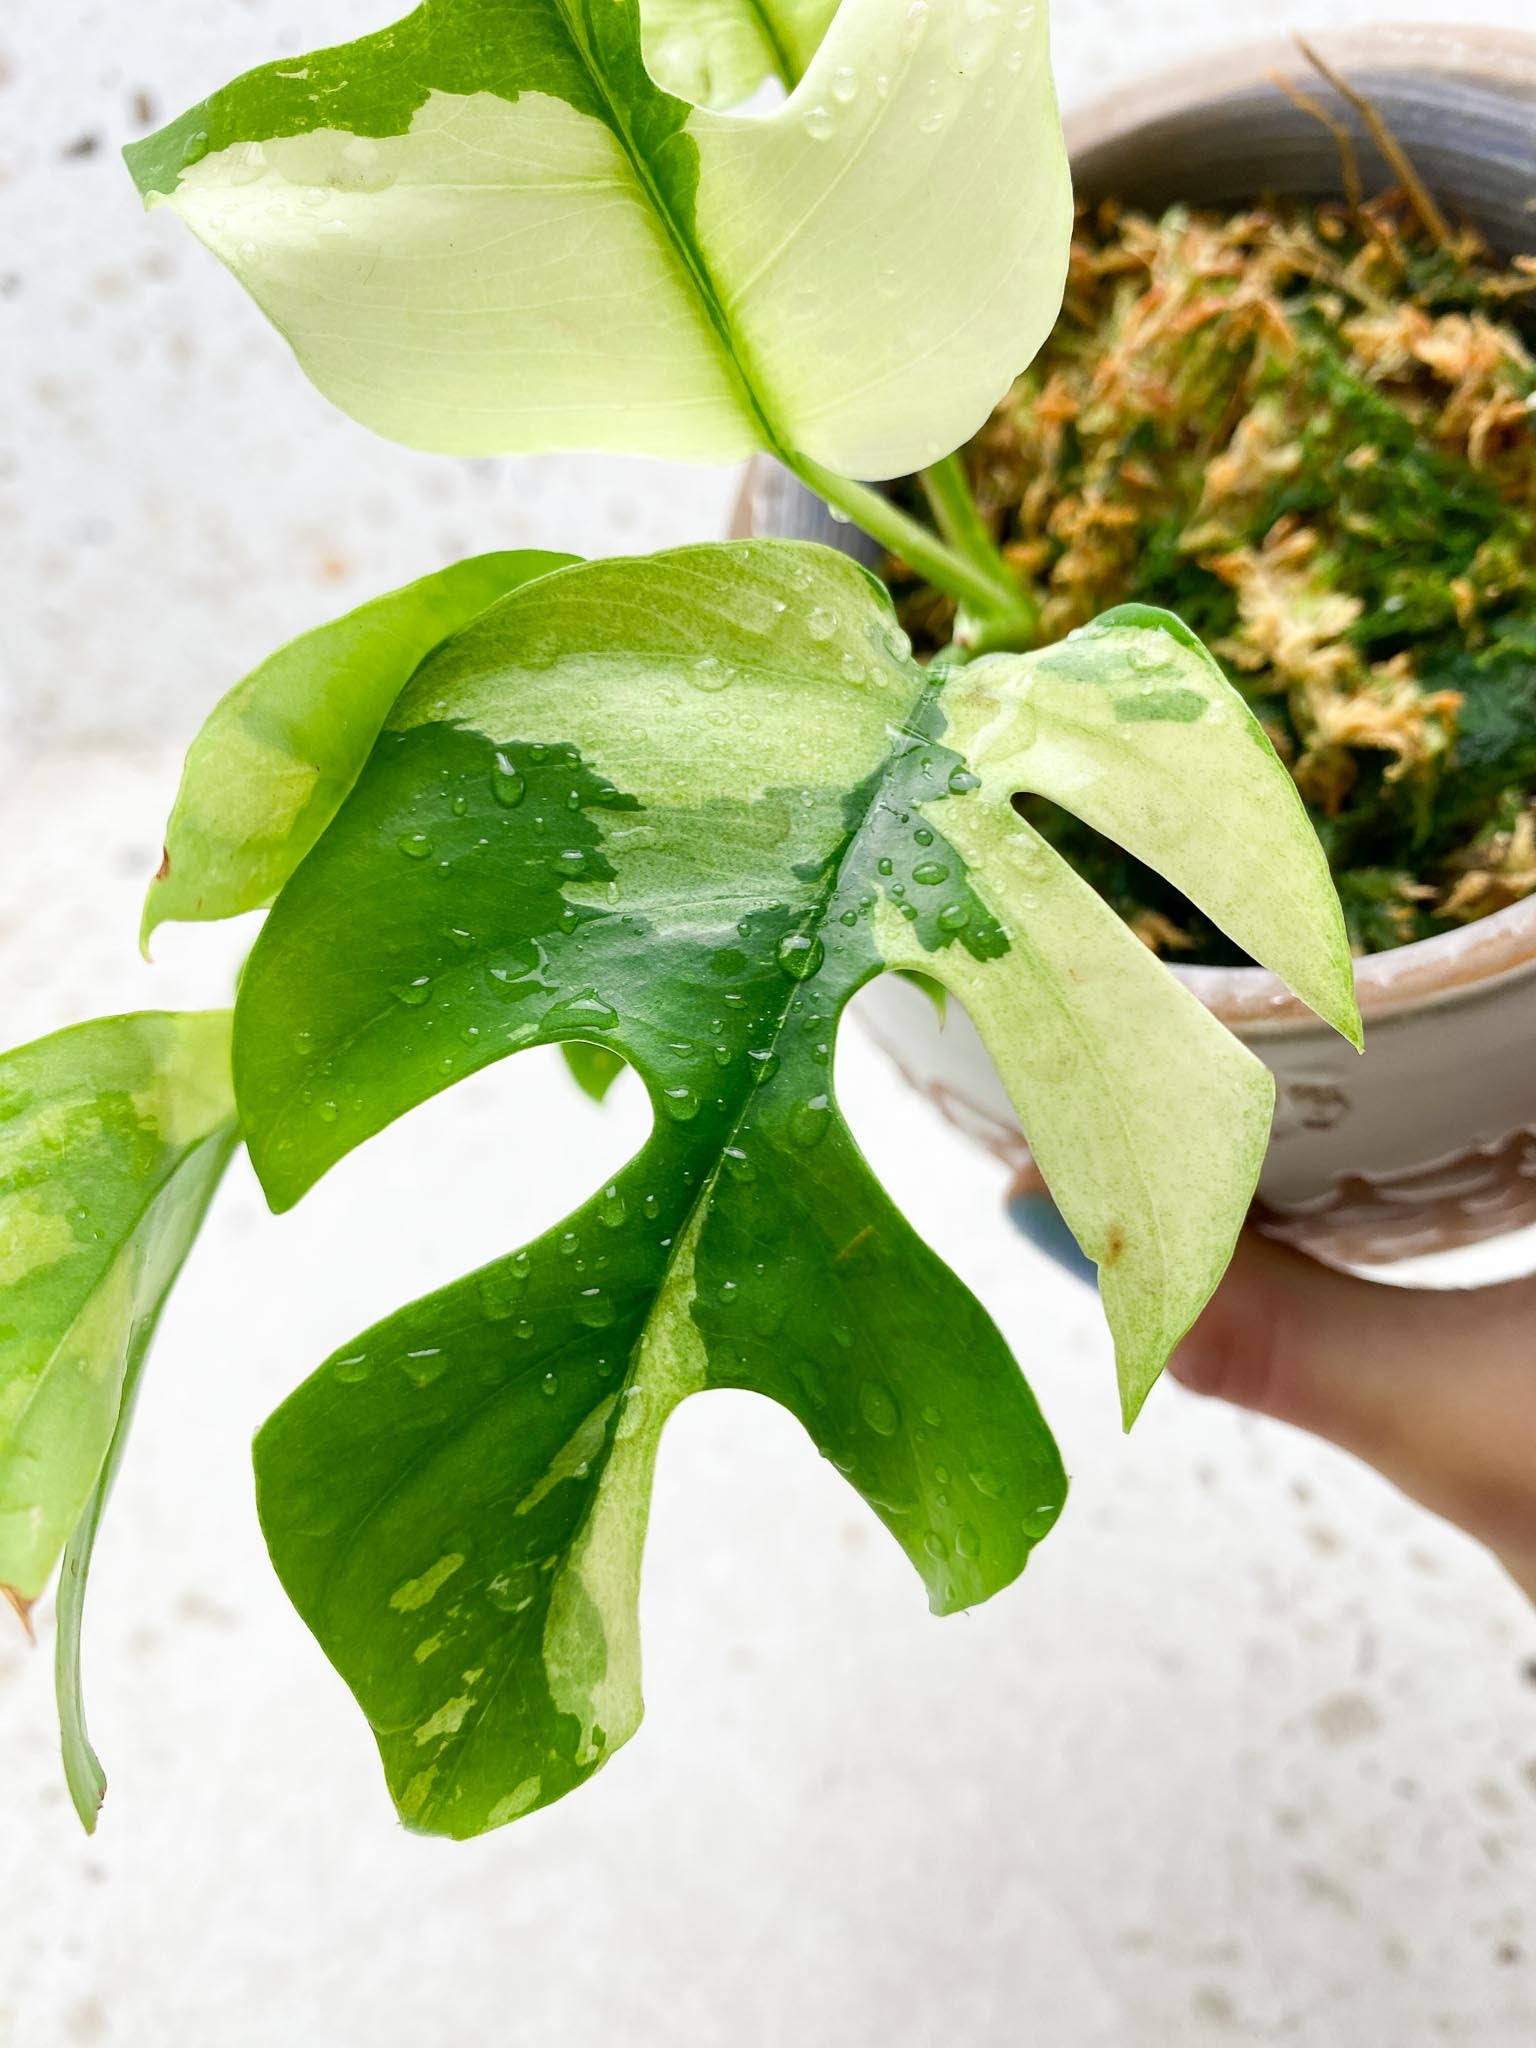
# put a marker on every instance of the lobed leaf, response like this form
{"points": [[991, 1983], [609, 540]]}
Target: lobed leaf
{"points": [[113, 1136], [281, 749], [685, 808], [488, 229]]}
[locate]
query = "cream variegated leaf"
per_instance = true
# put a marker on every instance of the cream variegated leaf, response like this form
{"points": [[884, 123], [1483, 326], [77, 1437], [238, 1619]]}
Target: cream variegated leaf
{"points": [[718, 52], [113, 1136], [488, 229], [684, 809]]}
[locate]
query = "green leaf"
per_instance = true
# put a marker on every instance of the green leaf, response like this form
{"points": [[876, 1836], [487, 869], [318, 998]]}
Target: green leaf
{"points": [[594, 1068], [686, 807], [113, 1136], [487, 229], [279, 752], [716, 53]]}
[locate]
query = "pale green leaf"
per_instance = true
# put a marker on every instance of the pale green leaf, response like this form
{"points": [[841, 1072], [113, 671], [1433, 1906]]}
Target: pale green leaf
{"points": [[279, 752], [1131, 726], [717, 52], [112, 1138], [685, 808], [487, 229]]}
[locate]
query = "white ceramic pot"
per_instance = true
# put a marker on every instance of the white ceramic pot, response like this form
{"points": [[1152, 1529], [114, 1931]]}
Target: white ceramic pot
{"points": [[1428, 1143]]}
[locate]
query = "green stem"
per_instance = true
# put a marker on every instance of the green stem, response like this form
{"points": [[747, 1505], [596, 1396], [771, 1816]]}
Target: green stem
{"points": [[947, 488], [990, 593]]}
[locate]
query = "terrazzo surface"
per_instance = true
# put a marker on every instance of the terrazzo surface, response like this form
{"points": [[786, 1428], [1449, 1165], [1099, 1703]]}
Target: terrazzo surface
{"points": [[1248, 1757]]}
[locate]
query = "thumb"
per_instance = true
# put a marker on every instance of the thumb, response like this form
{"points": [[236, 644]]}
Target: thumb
{"points": [[1437, 1389]]}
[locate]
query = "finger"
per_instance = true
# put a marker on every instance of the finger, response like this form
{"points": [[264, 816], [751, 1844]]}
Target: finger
{"points": [[1436, 1389]]}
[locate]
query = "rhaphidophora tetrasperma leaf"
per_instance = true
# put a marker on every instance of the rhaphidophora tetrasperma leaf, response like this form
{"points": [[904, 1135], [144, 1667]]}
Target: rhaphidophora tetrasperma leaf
{"points": [[488, 229], [717, 52], [282, 748], [686, 807], [113, 1136]]}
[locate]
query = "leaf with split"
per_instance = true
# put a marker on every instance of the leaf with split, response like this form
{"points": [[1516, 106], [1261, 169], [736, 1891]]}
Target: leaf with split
{"points": [[687, 807], [113, 1136], [282, 748], [716, 53], [488, 229]]}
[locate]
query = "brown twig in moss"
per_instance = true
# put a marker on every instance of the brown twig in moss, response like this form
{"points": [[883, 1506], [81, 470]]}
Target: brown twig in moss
{"points": [[1344, 142], [1422, 199]]}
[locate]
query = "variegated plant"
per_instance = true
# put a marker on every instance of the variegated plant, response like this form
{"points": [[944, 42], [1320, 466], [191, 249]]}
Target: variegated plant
{"points": [[670, 812]]}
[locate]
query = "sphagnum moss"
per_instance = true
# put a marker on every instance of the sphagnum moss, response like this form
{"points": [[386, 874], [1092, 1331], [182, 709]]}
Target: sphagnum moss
{"points": [[1309, 431]]}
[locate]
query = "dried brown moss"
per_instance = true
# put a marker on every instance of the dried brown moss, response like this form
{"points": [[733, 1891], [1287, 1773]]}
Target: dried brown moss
{"points": [[1310, 430]]}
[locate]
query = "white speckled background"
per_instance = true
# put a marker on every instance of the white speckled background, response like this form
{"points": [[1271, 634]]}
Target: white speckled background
{"points": [[1249, 1757]]}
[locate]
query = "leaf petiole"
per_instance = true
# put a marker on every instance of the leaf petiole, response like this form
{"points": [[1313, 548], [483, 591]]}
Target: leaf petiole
{"points": [[988, 591]]}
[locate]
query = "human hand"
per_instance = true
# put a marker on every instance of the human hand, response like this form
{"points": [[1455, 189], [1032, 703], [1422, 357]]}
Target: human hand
{"points": [[1437, 1390]]}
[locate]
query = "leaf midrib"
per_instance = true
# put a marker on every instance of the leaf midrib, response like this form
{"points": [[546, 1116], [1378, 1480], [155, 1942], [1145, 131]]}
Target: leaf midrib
{"points": [[694, 1218], [737, 361]]}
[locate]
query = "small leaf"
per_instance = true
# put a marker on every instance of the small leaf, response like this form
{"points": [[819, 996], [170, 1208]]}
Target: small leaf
{"points": [[113, 1136], [594, 1068], [737, 800], [279, 752], [716, 53], [488, 229]]}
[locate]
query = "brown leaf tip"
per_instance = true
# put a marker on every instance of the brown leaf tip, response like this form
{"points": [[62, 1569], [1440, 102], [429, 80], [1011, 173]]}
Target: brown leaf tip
{"points": [[165, 864], [23, 1609]]}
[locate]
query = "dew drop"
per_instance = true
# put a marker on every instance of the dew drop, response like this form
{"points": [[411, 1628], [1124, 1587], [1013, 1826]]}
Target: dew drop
{"points": [[818, 123], [414, 845], [1146, 660], [710, 673], [738, 1165], [326, 1111], [549, 1386], [820, 623], [353, 1368], [727, 1292], [799, 955], [507, 785], [878, 1407], [584, 1012], [765, 1063], [413, 993], [424, 1366], [612, 1207], [522, 1329], [930, 873], [845, 85], [962, 781], [595, 1309], [954, 917], [967, 1541], [987, 1483], [935, 1545], [681, 1104], [810, 1121]]}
